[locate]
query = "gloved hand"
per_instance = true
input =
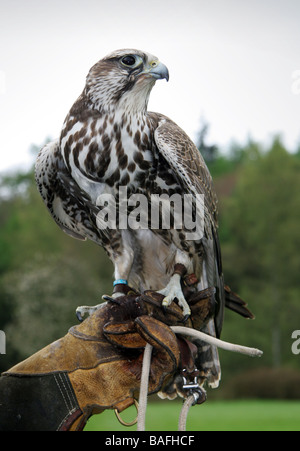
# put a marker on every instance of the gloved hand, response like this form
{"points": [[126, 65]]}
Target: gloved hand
{"points": [[98, 365]]}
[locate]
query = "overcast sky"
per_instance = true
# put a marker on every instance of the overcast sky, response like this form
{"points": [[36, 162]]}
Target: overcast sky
{"points": [[230, 61]]}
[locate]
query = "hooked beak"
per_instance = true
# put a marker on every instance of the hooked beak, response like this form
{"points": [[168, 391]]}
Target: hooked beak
{"points": [[157, 70]]}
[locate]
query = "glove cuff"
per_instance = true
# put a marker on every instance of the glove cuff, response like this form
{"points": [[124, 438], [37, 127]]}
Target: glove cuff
{"points": [[39, 403]]}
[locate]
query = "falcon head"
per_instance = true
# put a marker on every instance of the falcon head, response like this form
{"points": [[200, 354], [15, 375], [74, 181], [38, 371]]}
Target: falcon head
{"points": [[123, 80]]}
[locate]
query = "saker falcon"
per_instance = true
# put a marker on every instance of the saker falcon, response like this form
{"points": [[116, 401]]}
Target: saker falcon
{"points": [[109, 140]]}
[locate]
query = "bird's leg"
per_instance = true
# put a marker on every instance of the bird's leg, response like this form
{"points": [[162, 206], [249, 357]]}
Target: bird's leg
{"points": [[123, 264], [173, 289]]}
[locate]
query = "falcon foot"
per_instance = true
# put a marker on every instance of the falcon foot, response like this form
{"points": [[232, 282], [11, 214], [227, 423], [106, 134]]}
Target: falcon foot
{"points": [[86, 310], [120, 290], [173, 290]]}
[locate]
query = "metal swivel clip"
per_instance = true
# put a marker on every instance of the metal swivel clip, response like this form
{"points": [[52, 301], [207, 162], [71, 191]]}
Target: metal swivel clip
{"points": [[193, 388]]}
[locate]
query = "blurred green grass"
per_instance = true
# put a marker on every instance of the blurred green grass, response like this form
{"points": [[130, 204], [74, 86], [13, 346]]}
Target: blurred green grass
{"points": [[237, 415]]}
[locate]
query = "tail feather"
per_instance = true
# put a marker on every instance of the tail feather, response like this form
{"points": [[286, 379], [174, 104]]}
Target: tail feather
{"points": [[207, 361], [236, 304]]}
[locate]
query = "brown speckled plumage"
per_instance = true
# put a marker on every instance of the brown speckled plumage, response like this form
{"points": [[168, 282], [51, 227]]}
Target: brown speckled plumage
{"points": [[110, 140]]}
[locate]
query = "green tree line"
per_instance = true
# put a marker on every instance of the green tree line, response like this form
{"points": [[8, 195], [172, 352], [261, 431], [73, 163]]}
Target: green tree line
{"points": [[45, 275]]}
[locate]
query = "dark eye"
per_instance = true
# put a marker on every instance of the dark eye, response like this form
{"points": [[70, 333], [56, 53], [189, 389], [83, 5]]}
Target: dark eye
{"points": [[129, 60]]}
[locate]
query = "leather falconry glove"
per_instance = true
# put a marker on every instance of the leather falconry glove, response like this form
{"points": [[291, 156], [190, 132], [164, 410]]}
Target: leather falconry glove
{"points": [[98, 365]]}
